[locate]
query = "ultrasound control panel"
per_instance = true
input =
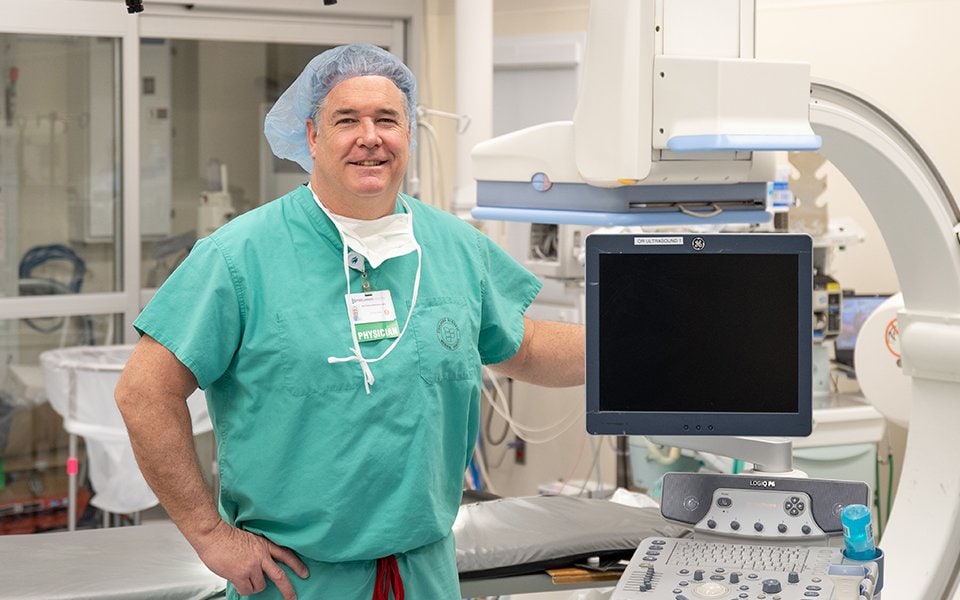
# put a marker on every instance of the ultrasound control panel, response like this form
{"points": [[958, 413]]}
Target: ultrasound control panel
{"points": [[687, 569], [759, 507], [781, 515]]}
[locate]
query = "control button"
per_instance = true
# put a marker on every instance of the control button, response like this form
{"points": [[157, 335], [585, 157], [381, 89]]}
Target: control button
{"points": [[653, 552], [698, 575], [758, 526], [681, 597], [771, 586], [712, 524], [734, 578], [744, 596], [719, 570], [678, 591], [782, 528], [812, 594], [691, 503], [744, 588], [684, 571], [814, 588], [734, 525], [724, 502], [684, 583], [793, 577], [794, 506], [753, 576], [658, 542], [716, 578], [805, 529]]}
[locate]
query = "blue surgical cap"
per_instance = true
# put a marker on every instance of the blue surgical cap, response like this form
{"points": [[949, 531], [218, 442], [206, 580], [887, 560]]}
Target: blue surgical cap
{"points": [[285, 125]]}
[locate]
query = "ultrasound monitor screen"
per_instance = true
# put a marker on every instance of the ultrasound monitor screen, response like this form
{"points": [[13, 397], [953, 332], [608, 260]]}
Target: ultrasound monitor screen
{"points": [[715, 341]]}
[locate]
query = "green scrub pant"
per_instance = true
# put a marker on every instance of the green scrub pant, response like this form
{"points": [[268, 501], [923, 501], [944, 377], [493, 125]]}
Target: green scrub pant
{"points": [[428, 573]]}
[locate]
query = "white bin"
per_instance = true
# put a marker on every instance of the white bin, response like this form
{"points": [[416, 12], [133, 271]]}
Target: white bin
{"points": [[80, 384]]}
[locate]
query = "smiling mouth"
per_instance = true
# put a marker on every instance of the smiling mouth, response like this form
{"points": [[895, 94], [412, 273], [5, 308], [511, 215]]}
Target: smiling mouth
{"points": [[369, 163]]}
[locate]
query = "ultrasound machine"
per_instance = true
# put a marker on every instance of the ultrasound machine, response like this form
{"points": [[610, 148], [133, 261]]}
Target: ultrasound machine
{"points": [[692, 339]]}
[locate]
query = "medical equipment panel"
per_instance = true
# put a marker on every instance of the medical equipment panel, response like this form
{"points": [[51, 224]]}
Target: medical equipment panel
{"points": [[788, 508], [682, 569]]}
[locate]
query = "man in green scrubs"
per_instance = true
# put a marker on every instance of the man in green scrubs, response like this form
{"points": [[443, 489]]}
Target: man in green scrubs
{"points": [[339, 334]]}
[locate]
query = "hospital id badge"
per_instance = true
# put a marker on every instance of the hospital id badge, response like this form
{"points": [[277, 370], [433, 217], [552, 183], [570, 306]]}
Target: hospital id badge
{"points": [[372, 316]]}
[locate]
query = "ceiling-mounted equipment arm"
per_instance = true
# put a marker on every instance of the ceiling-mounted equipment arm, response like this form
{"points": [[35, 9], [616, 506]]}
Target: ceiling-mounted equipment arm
{"points": [[672, 120]]}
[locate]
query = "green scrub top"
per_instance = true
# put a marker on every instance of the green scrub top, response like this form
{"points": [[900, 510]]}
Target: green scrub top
{"points": [[306, 457]]}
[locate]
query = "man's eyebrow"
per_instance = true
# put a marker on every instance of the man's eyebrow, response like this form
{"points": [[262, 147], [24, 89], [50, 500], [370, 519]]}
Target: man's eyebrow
{"points": [[351, 112]]}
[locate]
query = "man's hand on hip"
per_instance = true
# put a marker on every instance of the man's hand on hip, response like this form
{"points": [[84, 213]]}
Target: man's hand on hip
{"points": [[244, 558]]}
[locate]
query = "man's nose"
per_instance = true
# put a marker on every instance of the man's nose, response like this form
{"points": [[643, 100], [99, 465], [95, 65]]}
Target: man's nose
{"points": [[368, 135]]}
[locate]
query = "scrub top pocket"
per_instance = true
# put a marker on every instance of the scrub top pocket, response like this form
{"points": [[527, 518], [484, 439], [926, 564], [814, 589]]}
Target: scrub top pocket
{"points": [[446, 339], [307, 337]]}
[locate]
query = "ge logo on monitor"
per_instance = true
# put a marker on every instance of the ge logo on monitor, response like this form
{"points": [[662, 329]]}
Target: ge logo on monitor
{"points": [[698, 243]]}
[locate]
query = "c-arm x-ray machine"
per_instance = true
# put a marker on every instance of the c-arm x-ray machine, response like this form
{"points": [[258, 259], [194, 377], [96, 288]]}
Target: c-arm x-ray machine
{"points": [[673, 117]]}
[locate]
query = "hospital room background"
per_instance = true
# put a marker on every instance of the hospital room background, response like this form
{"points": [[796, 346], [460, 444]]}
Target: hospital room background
{"points": [[75, 267]]}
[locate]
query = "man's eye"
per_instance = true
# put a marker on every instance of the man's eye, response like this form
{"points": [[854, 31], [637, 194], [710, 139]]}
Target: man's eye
{"points": [[346, 121], [388, 120]]}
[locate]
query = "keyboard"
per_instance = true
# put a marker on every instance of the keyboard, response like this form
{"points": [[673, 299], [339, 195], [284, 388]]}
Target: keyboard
{"points": [[688, 569]]}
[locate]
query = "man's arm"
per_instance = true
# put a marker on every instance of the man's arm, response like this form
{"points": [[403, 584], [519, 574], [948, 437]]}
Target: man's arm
{"points": [[551, 354], [151, 396]]}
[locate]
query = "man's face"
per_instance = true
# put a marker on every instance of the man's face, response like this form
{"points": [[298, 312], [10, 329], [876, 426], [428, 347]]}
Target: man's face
{"points": [[360, 146]]}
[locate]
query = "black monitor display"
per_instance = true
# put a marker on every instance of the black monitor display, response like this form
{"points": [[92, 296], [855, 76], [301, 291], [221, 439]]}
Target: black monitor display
{"points": [[699, 334], [854, 310]]}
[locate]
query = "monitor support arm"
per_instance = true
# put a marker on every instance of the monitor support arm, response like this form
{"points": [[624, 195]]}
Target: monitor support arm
{"points": [[773, 456]]}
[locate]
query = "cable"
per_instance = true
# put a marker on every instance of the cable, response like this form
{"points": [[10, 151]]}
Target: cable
{"points": [[484, 474], [583, 439], [889, 484], [38, 255], [593, 465], [522, 431], [715, 210], [32, 285], [653, 450], [876, 496], [488, 426]]}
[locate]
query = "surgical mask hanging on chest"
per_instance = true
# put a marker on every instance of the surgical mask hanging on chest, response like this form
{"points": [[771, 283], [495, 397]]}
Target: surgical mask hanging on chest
{"points": [[377, 240]]}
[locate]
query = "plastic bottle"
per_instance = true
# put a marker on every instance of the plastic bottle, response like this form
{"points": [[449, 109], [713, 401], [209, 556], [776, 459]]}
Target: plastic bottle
{"points": [[858, 532]]}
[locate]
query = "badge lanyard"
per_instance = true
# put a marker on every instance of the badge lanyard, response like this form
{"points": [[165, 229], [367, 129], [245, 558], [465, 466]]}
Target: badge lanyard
{"points": [[367, 307]]}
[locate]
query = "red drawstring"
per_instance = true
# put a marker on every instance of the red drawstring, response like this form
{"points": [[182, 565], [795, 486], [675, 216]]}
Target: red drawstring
{"points": [[388, 577]]}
